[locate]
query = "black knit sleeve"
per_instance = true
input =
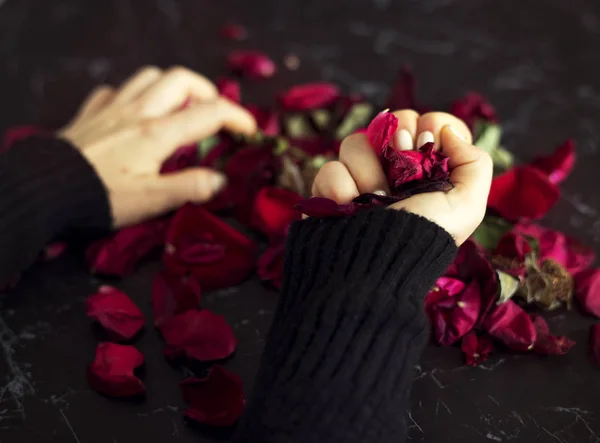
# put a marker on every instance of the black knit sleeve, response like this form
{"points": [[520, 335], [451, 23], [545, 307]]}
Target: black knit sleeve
{"points": [[46, 187], [349, 329]]}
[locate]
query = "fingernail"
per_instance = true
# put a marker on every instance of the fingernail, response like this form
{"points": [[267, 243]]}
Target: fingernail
{"points": [[405, 140], [380, 192], [218, 182], [455, 132], [425, 137]]}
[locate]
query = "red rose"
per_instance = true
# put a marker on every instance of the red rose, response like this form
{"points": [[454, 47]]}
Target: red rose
{"points": [[116, 312], [274, 210], [309, 97], [216, 400], [111, 373], [557, 166], [213, 252], [253, 64]]}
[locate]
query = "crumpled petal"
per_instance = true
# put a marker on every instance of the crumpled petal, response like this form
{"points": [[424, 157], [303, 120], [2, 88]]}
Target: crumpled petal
{"points": [[119, 254], [270, 264], [198, 335], [203, 245], [587, 290], [473, 107], [111, 373], [557, 166], [274, 210], [229, 89], [595, 344], [380, 131], [511, 325], [476, 349], [116, 312], [522, 192], [453, 309], [173, 295], [254, 64], [216, 400], [309, 96], [546, 343]]}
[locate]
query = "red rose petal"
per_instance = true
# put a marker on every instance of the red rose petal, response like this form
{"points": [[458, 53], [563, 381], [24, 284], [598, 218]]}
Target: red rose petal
{"points": [[212, 251], [232, 31], [595, 344], [509, 324], [198, 335], [514, 246], [380, 131], [476, 349], [111, 373], [270, 264], [522, 192], [473, 107], [119, 254], [53, 251], [253, 64], [274, 210], [559, 165], [185, 157], [217, 400], [403, 93], [324, 207], [19, 133], [230, 89], [587, 290], [266, 120], [173, 295], [309, 96], [453, 309], [116, 312], [546, 343]]}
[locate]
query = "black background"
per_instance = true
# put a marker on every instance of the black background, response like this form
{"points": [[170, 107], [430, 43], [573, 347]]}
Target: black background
{"points": [[537, 60]]}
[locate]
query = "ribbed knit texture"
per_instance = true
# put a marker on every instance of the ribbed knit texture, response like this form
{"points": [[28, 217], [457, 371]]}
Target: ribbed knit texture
{"points": [[46, 187], [349, 329]]}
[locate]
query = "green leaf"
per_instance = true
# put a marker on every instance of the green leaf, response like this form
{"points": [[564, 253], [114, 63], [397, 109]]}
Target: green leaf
{"points": [[281, 146], [322, 118], [503, 159], [298, 127], [206, 145], [488, 136], [318, 160], [489, 232], [508, 286], [357, 117]]}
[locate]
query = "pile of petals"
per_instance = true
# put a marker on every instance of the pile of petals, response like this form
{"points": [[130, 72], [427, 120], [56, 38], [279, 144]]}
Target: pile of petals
{"points": [[489, 300]]}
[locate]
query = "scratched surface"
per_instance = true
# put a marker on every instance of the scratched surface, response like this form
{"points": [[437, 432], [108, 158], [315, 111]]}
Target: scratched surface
{"points": [[536, 59]]}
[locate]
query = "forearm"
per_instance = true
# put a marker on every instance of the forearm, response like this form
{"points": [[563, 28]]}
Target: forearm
{"points": [[349, 330], [46, 187]]}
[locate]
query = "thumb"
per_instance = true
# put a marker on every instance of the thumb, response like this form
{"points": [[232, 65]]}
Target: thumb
{"points": [[196, 185]]}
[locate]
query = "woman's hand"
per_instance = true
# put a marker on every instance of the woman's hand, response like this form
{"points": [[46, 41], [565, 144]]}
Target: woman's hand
{"points": [[127, 133], [458, 211]]}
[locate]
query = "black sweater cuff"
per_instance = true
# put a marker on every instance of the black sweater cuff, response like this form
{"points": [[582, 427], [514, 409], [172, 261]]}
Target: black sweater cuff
{"points": [[349, 330], [46, 187]]}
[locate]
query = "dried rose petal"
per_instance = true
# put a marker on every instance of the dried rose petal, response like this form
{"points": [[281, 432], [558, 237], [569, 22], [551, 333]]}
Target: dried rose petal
{"points": [[325, 207], [309, 96], [566, 251], [522, 192], [198, 335], [559, 165], [403, 93], [270, 264], [546, 343], [111, 373], [473, 107], [185, 157], [173, 295], [595, 344], [53, 251], [587, 290], [233, 31], [212, 251], [380, 131], [476, 349], [266, 120], [513, 245], [453, 309], [18, 133], [253, 64], [116, 312], [216, 400], [274, 210], [119, 254], [509, 324], [229, 89]]}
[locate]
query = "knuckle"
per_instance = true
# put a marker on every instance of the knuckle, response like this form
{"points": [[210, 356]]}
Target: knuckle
{"points": [[149, 70], [179, 72], [406, 114], [351, 142]]}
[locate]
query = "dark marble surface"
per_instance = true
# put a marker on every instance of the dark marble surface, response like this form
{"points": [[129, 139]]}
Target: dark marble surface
{"points": [[536, 59]]}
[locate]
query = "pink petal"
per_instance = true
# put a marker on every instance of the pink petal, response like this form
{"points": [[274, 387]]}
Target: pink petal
{"points": [[557, 166]]}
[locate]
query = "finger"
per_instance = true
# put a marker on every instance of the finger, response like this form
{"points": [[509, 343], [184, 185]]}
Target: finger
{"points": [[137, 83], [172, 90], [196, 185], [471, 168], [96, 100], [198, 122], [429, 127], [404, 138], [363, 164], [335, 182]]}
